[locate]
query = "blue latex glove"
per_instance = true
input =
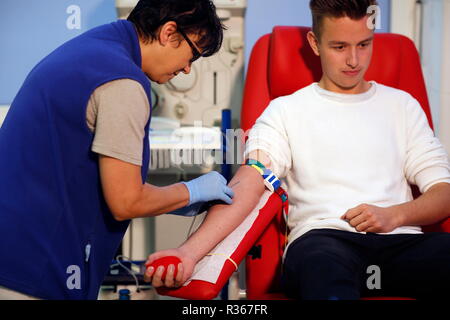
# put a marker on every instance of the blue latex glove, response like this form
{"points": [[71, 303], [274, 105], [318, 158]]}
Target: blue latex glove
{"points": [[209, 187], [189, 211]]}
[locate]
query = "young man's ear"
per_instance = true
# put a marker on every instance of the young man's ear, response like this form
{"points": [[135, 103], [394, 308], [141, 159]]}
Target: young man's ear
{"points": [[313, 42], [167, 33]]}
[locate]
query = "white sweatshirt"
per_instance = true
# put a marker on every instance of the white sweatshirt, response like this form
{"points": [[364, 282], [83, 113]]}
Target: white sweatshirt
{"points": [[336, 151]]}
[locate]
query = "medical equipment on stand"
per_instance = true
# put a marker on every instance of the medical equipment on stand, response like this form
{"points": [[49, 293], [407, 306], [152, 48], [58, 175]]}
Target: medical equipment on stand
{"points": [[195, 101], [125, 281], [187, 127]]}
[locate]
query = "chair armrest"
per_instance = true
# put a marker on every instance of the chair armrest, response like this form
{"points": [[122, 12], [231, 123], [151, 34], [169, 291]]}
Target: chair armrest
{"points": [[202, 290], [264, 269], [445, 225]]}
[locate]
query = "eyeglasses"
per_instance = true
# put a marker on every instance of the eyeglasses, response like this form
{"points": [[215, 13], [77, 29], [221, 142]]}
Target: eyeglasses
{"points": [[195, 53]]}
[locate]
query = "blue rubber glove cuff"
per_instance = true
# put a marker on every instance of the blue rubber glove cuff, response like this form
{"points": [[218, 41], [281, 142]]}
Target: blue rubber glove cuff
{"points": [[193, 192]]}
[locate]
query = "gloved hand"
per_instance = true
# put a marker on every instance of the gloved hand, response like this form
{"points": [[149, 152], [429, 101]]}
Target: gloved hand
{"points": [[189, 211], [209, 187]]}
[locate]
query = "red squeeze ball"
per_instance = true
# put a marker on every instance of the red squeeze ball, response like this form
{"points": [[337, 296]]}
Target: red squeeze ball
{"points": [[165, 262]]}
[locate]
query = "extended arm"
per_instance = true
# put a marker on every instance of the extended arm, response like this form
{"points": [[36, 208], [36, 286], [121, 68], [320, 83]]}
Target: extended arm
{"points": [[220, 221]]}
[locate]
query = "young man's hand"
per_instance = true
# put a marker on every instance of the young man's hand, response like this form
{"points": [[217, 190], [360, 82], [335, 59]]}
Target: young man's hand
{"points": [[368, 218], [184, 272]]}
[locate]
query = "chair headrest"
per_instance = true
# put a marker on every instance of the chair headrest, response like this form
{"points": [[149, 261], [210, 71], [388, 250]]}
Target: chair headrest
{"points": [[293, 64]]}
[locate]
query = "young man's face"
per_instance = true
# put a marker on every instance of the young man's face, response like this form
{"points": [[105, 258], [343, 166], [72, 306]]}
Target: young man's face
{"points": [[345, 49]]}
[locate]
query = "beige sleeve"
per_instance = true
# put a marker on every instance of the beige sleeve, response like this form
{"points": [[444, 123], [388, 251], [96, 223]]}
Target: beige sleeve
{"points": [[117, 113]]}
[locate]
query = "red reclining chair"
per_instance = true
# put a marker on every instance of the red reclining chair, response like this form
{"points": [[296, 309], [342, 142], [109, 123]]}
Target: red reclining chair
{"points": [[282, 63]]}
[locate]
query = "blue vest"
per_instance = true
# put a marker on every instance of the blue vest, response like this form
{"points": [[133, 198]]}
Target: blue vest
{"points": [[58, 236]]}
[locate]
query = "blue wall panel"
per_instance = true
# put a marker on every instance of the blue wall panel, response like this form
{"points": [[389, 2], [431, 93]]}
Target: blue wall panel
{"points": [[31, 29]]}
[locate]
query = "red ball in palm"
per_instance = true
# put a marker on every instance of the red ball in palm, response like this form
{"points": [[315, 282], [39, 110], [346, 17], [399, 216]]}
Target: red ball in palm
{"points": [[165, 262]]}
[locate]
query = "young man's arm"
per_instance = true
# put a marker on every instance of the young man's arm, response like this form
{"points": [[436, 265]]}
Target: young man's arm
{"points": [[269, 144], [426, 165], [220, 221], [431, 207]]}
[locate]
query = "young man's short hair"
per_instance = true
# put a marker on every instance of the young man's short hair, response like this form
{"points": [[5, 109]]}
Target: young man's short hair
{"points": [[354, 9], [192, 16]]}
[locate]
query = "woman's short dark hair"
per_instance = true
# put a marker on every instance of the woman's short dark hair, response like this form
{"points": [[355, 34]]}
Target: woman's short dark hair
{"points": [[354, 9], [192, 16]]}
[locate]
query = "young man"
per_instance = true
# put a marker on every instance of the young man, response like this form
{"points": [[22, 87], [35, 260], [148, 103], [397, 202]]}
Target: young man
{"points": [[74, 149], [348, 151]]}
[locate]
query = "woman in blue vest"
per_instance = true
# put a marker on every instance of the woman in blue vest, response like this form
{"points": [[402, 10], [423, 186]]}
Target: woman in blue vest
{"points": [[74, 150]]}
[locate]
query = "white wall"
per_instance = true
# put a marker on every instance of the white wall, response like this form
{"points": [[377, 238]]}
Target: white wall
{"points": [[428, 25], [444, 121], [405, 19], [431, 53]]}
